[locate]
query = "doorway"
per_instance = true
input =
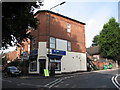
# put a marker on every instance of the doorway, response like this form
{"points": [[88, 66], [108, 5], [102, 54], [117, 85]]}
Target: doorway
{"points": [[42, 65]]}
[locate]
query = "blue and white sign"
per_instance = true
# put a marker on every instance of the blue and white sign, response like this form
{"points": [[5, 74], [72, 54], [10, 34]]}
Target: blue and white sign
{"points": [[58, 52]]}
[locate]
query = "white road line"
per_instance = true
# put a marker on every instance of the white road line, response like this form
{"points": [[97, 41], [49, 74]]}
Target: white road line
{"points": [[50, 85], [116, 79], [115, 83], [55, 83], [51, 82]]}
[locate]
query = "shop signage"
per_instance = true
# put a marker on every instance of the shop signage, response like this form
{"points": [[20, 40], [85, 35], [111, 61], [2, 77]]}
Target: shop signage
{"points": [[34, 52], [58, 52]]}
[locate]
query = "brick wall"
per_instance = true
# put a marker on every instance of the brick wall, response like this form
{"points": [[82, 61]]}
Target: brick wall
{"points": [[58, 29], [25, 48], [12, 55]]}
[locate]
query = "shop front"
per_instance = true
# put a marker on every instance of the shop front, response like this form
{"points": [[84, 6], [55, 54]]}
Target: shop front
{"points": [[55, 60], [33, 61]]}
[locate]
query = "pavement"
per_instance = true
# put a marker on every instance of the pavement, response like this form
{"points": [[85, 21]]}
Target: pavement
{"points": [[62, 75]]}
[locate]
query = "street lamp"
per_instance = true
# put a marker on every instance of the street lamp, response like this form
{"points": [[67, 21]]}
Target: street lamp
{"points": [[49, 34]]}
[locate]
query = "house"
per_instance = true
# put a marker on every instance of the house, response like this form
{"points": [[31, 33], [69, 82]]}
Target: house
{"points": [[23, 48], [97, 60], [66, 51], [11, 56]]}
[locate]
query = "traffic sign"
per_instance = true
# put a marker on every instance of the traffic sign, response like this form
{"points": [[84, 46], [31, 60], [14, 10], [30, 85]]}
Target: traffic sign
{"points": [[25, 55]]}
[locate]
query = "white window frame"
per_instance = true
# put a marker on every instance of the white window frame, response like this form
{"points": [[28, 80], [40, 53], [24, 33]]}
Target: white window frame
{"points": [[52, 42], [69, 46], [68, 28]]}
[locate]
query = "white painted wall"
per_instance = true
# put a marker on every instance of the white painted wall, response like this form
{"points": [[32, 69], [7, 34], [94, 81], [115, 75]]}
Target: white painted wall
{"points": [[61, 44], [73, 62]]}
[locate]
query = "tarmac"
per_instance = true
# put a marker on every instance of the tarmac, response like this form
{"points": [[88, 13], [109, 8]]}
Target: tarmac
{"points": [[62, 75]]}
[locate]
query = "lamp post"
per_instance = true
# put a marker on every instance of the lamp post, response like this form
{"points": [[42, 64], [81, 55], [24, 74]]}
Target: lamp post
{"points": [[49, 33]]}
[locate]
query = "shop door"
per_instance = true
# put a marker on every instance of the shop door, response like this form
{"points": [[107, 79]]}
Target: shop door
{"points": [[42, 66]]}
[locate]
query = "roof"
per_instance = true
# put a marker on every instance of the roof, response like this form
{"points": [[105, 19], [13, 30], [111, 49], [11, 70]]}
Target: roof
{"points": [[93, 50], [59, 15]]}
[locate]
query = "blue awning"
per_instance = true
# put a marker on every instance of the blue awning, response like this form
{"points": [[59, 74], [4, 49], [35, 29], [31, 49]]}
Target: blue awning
{"points": [[33, 57], [54, 56]]}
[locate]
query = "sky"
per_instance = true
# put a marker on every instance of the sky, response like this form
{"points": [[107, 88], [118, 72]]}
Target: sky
{"points": [[95, 13]]}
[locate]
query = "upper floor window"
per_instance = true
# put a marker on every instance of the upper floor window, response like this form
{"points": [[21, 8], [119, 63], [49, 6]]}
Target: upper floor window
{"points": [[69, 46], [68, 28], [52, 42], [33, 44]]}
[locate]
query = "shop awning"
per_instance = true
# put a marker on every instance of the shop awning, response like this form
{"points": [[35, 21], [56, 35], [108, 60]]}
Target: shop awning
{"points": [[33, 57], [54, 56]]}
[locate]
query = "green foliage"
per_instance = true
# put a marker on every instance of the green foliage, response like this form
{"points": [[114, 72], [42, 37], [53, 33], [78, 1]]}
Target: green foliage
{"points": [[109, 40], [95, 39], [4, 59], [16, 18]]}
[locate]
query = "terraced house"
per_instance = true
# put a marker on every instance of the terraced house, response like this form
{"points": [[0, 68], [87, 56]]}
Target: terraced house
{"points": [[58, 42]]}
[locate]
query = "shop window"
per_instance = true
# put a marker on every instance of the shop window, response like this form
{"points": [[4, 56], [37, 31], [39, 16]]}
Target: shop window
{"points": [[52, 42], [69, 46], [33, 65], [56, 64], [68, 28], [34, 44]]}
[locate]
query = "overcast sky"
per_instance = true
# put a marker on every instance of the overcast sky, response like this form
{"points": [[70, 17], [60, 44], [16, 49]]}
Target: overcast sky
{"points": [[95, 13]]}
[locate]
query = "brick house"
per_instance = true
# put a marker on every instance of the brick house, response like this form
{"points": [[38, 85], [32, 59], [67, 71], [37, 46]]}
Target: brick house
{"points": [[23, 48], [11, 56], [67, 51], [93, 53]]}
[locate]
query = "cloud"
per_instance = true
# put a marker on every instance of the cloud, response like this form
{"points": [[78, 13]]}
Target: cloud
{"points": [[92, 28], [48, 4], [95, 23]]}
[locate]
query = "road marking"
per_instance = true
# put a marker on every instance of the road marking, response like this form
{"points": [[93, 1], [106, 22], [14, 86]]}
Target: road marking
{"points": [[53, 83], [116, 79], [115, 83]]}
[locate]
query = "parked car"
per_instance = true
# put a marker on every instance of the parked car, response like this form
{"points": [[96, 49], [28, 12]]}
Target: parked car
{"points": [[13, 71]]}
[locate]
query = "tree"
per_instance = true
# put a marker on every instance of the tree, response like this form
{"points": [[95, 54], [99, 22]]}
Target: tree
{"points": [[109, 40], [4, 59], [95, 40], [16, 18]]}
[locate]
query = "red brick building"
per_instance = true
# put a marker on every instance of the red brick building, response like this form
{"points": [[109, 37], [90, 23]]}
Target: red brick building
{"points": [[58, 29], [23, 48], [12, 56], [67, 44]]}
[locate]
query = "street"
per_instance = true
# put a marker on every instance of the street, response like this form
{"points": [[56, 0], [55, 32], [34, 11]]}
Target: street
{"points": [[97, 79]]}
